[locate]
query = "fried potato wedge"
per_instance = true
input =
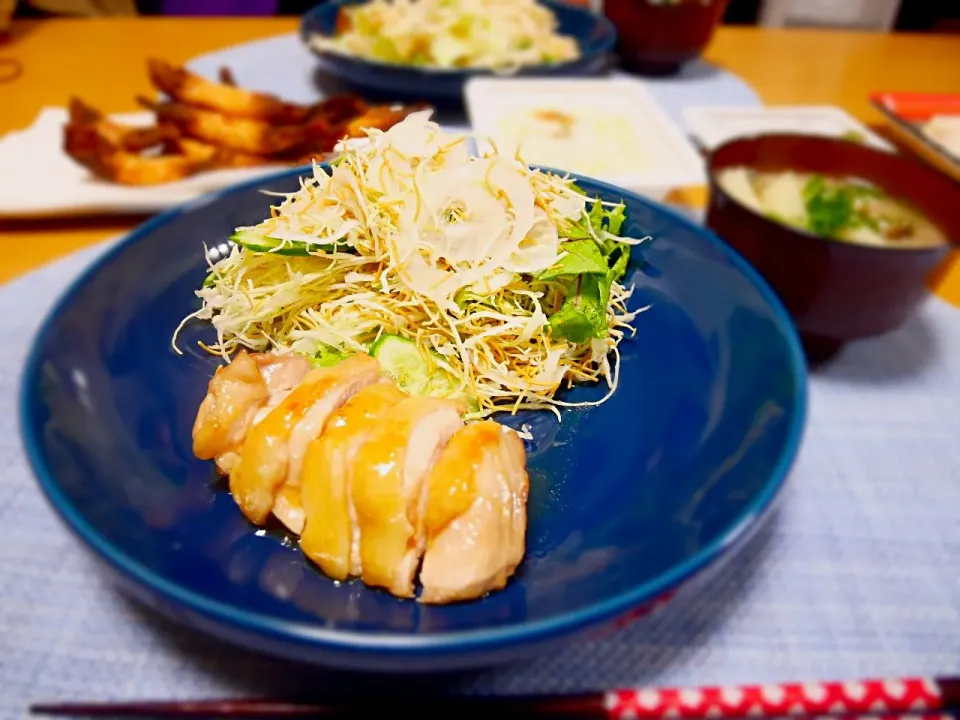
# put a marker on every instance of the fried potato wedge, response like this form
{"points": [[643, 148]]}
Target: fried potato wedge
{"points": [[334, 111], [379, 117], [86, 125], [185, 87], [126, 168], [348, 117], [225, 76], [223, 157], [255, 137], [206, 125]]}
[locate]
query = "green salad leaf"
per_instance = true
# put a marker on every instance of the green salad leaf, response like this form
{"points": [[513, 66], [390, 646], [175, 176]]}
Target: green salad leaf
{"points": [[598, 220], [614, 218], [592, 266], [583, 257], [583, 314], [619, 267]]}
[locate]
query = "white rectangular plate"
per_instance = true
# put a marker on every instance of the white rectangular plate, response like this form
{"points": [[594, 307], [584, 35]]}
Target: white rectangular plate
{"points": [[40, 180], [613, 115], [713, 126]]}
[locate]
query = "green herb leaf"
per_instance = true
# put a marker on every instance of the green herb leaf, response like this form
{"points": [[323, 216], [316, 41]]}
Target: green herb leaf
{"points": [[829, 210], [583, 257], [816, 185]]}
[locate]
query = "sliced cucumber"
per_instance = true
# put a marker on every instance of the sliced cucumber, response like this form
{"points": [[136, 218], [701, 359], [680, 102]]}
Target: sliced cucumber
{"points": [[256, 242], [328, 356], [404, 362], [410, 366]]}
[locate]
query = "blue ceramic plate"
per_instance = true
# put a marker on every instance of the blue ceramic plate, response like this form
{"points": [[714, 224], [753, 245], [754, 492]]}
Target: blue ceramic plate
{"points": [[595, 35], [628, 500]]}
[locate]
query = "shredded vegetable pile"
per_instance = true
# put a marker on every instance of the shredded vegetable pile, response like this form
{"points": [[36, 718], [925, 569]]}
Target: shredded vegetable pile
{"points": [[508, 279], [492, 34]]}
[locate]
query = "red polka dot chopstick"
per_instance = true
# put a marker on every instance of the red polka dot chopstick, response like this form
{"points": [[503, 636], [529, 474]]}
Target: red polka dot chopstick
{"points": [[907, 698], [910, 696]]}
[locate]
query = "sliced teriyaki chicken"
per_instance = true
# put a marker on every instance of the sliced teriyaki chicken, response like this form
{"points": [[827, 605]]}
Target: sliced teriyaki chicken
{"points": [[331, 535], [389, 474], [476, 514], [236, 398], [288, 509], [273, 450], [282, 373], [235, 393]]}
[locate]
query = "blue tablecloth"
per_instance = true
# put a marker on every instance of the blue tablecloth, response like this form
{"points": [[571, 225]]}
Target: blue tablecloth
{"points": [[857, 573]]}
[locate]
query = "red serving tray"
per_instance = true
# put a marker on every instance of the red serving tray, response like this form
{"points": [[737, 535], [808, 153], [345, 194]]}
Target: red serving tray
{"points": [[906, 111]]}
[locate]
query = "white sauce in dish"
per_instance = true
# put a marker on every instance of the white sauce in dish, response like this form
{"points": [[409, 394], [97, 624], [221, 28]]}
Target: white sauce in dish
{"points": [[581, 140]]}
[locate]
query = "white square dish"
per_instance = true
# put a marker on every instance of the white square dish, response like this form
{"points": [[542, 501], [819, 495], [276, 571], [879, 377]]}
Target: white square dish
{"points": [[610, 129], [713, 126]]}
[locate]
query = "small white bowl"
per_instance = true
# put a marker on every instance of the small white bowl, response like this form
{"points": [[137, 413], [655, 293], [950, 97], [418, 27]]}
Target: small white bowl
{"points": [[616, 131]]}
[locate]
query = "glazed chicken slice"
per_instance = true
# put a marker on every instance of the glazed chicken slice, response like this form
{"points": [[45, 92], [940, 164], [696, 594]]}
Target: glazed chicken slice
{"points": [[237, 394], [389, 471], [288, 508], [282, 373], [273, 450], [331, 535], [475, 517]]}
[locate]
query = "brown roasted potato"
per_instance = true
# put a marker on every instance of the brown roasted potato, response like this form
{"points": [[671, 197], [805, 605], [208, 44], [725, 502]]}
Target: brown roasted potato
{"points": [[333, 112], [127, 168], [208, 125], [222, 157], [225, 76], [255, 137], [185, 87], [379, 117], [86, 125]]}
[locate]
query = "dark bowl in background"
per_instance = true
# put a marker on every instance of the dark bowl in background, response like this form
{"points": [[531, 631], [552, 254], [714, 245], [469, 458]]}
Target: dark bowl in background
{"points": [[595, 36], [835, 291], [658, 38]]}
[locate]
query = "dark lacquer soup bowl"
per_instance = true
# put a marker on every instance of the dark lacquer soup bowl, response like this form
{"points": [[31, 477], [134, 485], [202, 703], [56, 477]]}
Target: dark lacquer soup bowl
{"points": [[836, 291]]}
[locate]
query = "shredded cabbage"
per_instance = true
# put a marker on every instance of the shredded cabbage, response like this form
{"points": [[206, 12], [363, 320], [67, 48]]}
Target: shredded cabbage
{"points": [[412, 235], [493, 34]]}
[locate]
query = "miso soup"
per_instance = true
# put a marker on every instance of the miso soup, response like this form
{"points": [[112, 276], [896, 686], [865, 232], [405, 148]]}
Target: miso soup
{"points": [[847, 209]]}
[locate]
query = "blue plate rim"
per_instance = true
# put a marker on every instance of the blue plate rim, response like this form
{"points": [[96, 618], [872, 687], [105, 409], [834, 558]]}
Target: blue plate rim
{"points": [[609, 43], [398, 643]]}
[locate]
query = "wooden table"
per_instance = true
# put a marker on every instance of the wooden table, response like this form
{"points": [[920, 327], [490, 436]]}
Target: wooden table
{"points": [[103, 61]]}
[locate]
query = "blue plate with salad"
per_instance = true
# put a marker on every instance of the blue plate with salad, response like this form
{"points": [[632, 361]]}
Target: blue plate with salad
{"points": [[415, 410], [427, 50]]}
